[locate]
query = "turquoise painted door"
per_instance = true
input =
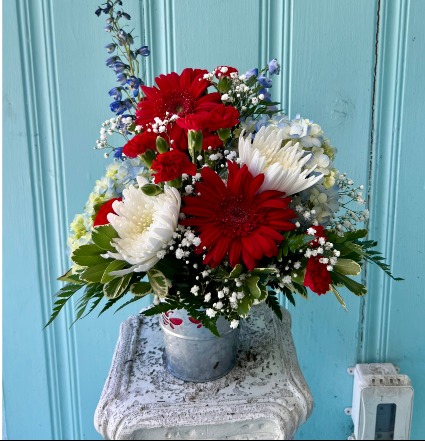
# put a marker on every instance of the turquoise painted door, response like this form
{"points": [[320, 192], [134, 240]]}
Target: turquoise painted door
{"points": [[356, 68]]}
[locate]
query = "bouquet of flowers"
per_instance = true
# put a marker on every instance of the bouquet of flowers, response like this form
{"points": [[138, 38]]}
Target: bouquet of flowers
{"points": [[215, 201]]}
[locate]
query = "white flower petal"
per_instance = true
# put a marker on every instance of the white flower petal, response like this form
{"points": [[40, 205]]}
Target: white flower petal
{"points": [[144, 225], [283, 166]]}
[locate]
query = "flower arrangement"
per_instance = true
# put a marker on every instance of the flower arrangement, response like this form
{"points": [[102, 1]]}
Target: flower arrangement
{"points": [[215, 200]]}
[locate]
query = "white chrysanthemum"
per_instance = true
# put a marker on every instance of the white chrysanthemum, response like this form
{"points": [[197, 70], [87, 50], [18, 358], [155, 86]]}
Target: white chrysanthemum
{"points": [[282, 165], [145, 224]]}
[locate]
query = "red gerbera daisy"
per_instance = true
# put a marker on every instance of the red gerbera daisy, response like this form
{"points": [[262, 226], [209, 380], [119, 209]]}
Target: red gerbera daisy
{"points": [[234, 219], [176, 95]]}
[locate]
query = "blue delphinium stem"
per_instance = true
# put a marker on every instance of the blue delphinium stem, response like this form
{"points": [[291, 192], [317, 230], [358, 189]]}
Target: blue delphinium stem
{"points": [[124, 63]]}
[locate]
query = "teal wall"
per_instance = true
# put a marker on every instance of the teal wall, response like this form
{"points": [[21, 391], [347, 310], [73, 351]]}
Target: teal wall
{"points": [[355, 67]]}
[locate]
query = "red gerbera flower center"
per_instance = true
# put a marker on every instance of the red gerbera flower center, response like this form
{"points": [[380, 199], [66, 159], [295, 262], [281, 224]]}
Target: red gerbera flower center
{"points": [[238, 216], [179, 102]]}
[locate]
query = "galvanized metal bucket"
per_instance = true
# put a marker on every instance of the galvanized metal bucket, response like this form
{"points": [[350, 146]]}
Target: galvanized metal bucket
{"points": [[193, 353]]}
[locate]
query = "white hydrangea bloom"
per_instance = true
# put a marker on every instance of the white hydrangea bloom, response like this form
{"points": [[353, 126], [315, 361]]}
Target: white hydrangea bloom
{"points": [[283, 166], [145, 224]]}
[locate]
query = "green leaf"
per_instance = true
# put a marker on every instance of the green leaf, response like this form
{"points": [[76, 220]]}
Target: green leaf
{"points": [[236, 271], [244, 306], [63, 295], [264, 293], [132, 300], [252, 284], [356, 288], [151, 189], [224, 85], [158, 309], [273, 303], [300, 275], [140, 289], [93, 290], [358, 234], [115, 265], [338, 296], [103, 235], [94, 273], [347, 267], [109, 303], [69, 277], [116, 287], [301, 290], [88, 255], [158, 282], [265, 271]]}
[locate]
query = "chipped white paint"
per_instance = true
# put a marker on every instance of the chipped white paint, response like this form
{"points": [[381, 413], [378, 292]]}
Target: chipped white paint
{"points": [[264, 397]]}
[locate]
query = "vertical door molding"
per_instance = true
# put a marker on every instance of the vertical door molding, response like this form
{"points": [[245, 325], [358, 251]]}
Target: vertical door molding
{"points": [[384, 172], [158, 23], [47, 175]]}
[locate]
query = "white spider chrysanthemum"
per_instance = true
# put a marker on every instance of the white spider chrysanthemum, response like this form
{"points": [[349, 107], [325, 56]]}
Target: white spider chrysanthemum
{"points": [[282, 165], [145, 224]]}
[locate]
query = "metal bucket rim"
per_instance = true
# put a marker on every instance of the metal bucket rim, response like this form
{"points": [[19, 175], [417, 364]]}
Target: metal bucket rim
{"points": [[186, 337]]}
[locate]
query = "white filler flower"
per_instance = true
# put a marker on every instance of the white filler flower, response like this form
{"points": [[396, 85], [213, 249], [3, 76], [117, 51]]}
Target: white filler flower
{"points": [[145, 225], [282, 165]]}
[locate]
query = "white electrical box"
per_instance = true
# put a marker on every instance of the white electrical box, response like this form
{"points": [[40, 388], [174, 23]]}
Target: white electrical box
{"points": [[382, 402]]}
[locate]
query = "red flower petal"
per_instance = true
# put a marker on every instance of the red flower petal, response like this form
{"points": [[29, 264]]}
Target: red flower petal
{"points": [[233, 220], [102, 215]]}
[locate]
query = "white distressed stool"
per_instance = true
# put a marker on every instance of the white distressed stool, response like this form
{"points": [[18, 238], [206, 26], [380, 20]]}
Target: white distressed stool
{"points": [[264, 397]]}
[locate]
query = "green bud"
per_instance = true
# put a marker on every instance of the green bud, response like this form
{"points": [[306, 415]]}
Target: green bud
{"points": [[176, 183], [161, 144], [148, 157], [223, 134], [195, 139], [151, 189], [224, 84]]}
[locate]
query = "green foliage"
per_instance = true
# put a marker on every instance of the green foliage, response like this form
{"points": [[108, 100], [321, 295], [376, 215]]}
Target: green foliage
{"points": [[158, 282], [347, 267], [140, 289], [117, 286], [95, 273], [88, 255], [62, 296], [338, 296], [102, 237], [356, 288], [115, 265], [273, 303]]}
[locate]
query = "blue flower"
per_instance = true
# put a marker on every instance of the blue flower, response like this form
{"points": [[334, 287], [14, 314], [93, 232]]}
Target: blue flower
{"points": [[115, 93], [122, 78], [110, 47], [118, 107], [107, 9], [267, 95], [251, 72], [108, 28], [119, 67], [143, 51], [265, 82], [98, 11], [125, 15], [111, 60], [118, 153], [274, 67], [134, 84]]}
